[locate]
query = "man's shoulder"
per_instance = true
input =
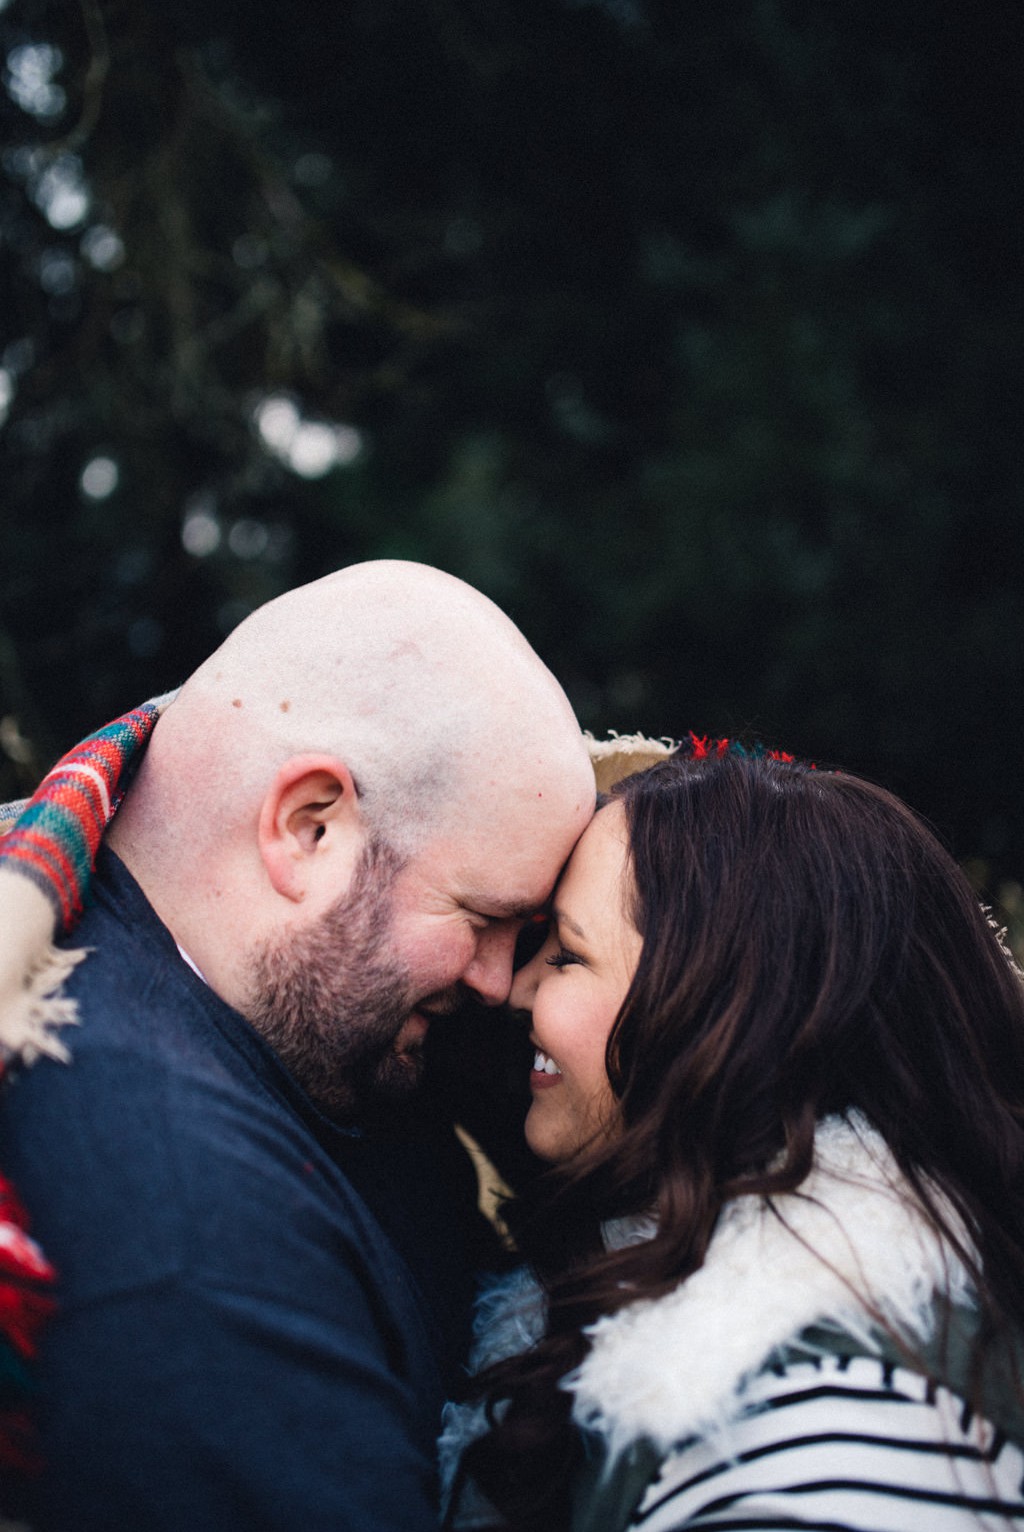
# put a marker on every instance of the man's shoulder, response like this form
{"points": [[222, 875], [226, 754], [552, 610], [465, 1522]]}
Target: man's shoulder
{"points": [[163, 1153], [175, 1148]]}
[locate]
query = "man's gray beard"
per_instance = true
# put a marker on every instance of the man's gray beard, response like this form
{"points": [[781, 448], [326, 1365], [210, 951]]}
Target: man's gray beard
{"points": [[330, 1001]]}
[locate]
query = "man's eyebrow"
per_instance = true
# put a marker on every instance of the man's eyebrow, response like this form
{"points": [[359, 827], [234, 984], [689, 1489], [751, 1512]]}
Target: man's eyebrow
{"points": [[566, 920], [497, 909]]}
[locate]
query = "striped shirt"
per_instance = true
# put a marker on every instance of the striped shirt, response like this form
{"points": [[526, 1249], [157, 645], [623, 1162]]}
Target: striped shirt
{"points": [[842, 1445]]}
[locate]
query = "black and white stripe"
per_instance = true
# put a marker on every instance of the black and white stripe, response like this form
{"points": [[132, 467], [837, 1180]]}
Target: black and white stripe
{"points": [[842, 1445]]}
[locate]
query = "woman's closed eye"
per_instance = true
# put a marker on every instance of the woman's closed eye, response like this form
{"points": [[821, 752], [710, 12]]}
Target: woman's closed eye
{"points": [[563, 958]]}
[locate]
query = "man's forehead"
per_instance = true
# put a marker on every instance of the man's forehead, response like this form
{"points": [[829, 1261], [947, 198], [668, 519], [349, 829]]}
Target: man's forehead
{"points": [[498, 889], [504, 893], [503, 864]]}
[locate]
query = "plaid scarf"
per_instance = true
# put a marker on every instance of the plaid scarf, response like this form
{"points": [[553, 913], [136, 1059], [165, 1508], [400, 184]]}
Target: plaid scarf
{"points": [[47, 851], [57, 833]]}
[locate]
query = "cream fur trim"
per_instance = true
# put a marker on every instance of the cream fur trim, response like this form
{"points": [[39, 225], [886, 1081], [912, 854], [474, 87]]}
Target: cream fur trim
{"points": [[853, 1239], [31, 973], [623, 754]]}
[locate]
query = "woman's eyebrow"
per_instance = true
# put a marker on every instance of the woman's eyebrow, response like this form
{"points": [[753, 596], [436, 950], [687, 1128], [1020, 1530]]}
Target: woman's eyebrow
{"points": [[567, 920]]}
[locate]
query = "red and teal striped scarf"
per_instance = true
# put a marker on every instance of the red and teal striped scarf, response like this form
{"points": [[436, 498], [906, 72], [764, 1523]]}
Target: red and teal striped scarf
{"points": [[56, 834]]}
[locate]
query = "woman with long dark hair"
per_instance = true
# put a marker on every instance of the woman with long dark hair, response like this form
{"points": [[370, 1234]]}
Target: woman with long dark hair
{"points": [[775, 1277]]}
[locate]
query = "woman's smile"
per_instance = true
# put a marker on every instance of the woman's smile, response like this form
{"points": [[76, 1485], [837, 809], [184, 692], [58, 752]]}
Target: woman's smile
{"points": [[545, 1071]]}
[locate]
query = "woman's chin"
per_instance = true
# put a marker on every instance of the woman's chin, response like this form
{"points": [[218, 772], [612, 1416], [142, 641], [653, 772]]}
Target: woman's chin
{"points": [[546, 1138], [555, 1136]]}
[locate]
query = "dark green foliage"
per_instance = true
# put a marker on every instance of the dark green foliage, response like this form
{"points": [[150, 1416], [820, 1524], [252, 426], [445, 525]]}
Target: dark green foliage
{"points": [[692, 334]]}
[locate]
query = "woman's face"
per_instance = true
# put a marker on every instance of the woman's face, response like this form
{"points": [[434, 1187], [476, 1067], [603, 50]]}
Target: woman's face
{"points": [[574, 988]]}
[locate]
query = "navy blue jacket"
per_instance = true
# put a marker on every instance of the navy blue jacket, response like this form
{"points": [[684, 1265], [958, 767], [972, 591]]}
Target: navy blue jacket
{"points": [[257, 1307]]}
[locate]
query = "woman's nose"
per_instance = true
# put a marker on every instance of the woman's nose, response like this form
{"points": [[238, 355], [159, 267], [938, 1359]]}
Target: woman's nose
{"points": [[525, 981]]}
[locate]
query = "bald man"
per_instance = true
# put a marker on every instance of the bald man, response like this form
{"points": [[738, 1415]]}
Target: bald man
{"points": [[337, 830]]}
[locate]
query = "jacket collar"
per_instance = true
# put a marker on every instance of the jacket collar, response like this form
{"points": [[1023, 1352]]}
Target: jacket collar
{"points": [[850, 1249]]}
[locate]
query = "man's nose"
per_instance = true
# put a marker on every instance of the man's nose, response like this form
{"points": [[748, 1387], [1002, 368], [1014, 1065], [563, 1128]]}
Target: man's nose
{"points": [[489, 974]]}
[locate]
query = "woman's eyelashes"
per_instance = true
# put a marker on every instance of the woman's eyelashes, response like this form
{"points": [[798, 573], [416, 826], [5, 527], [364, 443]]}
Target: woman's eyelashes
{"points": [[562, 958]]}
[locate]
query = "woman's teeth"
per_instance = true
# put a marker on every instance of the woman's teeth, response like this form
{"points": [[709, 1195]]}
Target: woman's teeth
{"points": [[545, 1065]]}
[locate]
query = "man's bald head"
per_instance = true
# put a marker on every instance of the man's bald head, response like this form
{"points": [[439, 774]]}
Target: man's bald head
{"points": [[388, 706], [420, 683]]}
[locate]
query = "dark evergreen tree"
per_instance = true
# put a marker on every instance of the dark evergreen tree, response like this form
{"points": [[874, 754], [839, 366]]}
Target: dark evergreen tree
{"points": [[692, 334]]}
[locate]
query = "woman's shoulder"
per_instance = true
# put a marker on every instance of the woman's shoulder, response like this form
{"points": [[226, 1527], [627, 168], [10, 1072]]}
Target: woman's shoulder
{"points": [[833, 1440], [849, 1249], [852, 1441]]}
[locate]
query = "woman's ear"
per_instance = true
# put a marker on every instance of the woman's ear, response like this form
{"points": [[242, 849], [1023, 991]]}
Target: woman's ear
{"points": [[310, 829]]}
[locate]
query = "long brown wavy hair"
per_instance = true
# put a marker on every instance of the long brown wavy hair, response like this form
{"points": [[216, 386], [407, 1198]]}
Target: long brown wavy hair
{"points": [[808, 948]]}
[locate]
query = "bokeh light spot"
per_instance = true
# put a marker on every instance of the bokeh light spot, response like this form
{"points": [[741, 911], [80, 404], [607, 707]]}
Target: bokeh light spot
{"points": [[313, 451], [200, 528], [310, 448], [248, 538], [277, 421], [60, 192], [57, 273], [29, 79], [103, 248], [100, 478]]}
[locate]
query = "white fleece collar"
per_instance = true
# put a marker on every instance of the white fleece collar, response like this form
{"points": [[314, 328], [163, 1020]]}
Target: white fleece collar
{"points": [[851, 1246], [852, 1239]]}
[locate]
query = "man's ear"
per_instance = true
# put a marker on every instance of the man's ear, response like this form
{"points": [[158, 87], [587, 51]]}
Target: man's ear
{"points": [[310, 829]]}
